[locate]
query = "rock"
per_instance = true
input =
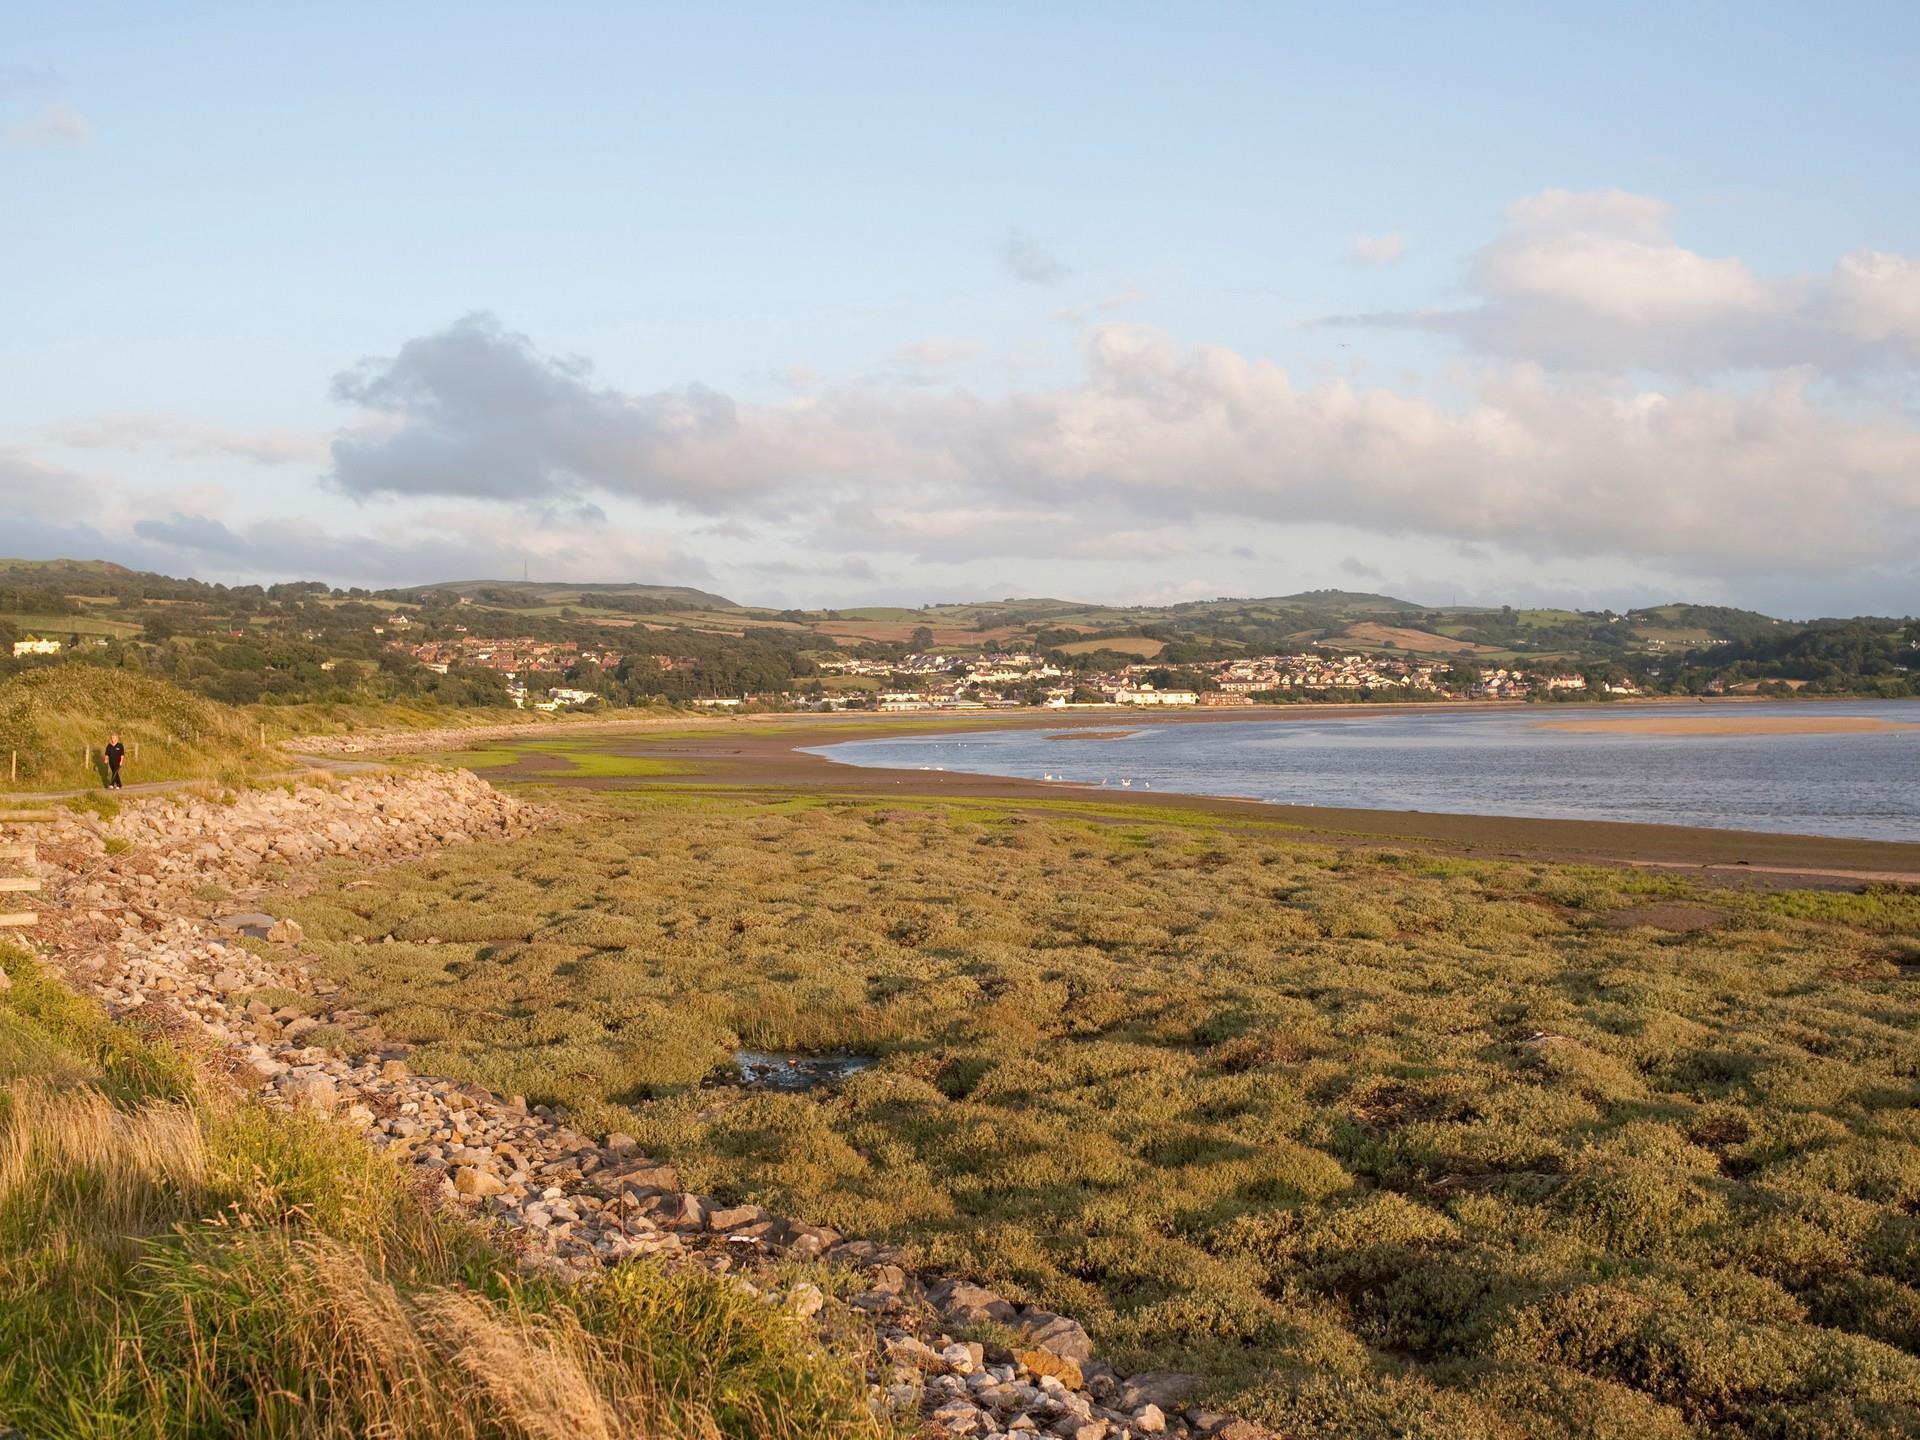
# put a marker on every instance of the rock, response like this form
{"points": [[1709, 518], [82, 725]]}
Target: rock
{"points": [[1044, 1362], [1054, 1332], [641, 1176], [471, 1180], [622, 1144], [1073, 1427], [1149, 1420], [1167, 1389], [805, 1300], [962, 1303], [959, 1417], [286, 932], [736, 1217], [312, 1092], [911, 1351], [961, 1359], [1224, 1427]]}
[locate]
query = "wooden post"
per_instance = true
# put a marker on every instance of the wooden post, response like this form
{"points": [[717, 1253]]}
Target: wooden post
{"points": [[13, 766]]}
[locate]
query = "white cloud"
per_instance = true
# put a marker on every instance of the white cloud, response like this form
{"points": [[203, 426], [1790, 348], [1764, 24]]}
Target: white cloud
{"points": [[1156, 436], [1376, 249], [1596, 281], [56, 123]]}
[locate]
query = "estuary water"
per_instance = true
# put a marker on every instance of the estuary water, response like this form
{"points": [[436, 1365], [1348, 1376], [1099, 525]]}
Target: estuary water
{"points": [[1863, 784]]}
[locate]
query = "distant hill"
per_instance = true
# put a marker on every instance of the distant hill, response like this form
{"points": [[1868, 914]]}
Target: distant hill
{"points": [[1349, 601], [555, 592]]}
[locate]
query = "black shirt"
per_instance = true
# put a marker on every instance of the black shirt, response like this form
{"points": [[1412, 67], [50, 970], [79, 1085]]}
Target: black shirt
{"points": [[115, 753]]}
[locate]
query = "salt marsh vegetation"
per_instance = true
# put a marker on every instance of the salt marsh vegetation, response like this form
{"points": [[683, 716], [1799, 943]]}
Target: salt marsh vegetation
{"points": [[1384, 1142]]}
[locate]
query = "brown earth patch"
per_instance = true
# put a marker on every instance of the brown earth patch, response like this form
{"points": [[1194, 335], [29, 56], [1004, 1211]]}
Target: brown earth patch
{"points": [[1369, 632]]}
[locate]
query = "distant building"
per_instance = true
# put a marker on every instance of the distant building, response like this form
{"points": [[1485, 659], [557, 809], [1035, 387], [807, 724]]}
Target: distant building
{"points": [[31, 646]]}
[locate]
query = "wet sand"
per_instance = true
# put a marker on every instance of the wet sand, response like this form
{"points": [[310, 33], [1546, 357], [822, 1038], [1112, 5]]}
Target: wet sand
{"points": [[772, 759], [1728, 725]]}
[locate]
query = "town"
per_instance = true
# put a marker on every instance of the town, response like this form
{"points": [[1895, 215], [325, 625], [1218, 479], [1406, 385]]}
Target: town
{"points": [[999, 680]]}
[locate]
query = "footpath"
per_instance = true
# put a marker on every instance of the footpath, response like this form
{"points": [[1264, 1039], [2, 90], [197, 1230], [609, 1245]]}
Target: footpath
{"points": [[157, 913]]}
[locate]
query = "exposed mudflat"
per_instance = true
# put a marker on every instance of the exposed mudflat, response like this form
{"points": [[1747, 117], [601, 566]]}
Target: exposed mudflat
{"points": [[773, 759], [1727, 725]]}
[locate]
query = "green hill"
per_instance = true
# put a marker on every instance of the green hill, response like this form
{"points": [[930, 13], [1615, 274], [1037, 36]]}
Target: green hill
{"points": [[53, 722], [531, 594]]}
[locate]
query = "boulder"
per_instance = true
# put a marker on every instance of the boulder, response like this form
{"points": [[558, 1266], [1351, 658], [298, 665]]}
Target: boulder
{"points": [[1045, 1362], [471, 1180], [1167, 1389], [312, 1092], [736, 1217], [1056, 1333], [962, 1303]]}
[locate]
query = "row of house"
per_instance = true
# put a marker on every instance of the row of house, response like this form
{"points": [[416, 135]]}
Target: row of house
{"points": [[513, 656]]}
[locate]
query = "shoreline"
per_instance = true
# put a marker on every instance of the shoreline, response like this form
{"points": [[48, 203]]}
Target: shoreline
{"points": [[405, 742], [777, 759]]}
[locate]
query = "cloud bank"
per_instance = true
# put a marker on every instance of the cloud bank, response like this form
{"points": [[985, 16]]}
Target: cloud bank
{"points": [[1623, 400], [1596, 281], [1712, 478]]}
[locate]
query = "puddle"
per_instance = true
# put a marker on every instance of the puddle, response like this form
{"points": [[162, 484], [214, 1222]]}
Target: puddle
{"points": [[760, 1070], [250, 923]]}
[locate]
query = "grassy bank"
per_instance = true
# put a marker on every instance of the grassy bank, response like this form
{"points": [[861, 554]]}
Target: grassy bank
{"points": [[1390, 1144], [54, 723], [290, 722], [175, 1262]]}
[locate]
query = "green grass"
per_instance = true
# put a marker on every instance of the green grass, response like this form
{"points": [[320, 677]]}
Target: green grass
{"points": [[177, 1262], [56, 721], [59, 627], [1387, 1143], [572, 757]]}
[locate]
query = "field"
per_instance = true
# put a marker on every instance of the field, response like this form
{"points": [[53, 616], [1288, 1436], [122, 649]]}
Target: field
{"points": [[1137, 645], [1368, 635], [59, 627], [175, 1261], [1385, 1143]]}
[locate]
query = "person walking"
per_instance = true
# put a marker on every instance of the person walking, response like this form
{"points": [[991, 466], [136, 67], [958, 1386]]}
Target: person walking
{"points": [[115, 753]]}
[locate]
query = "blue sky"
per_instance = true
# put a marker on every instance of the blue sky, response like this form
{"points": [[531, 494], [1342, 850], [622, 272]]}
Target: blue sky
{"points": [[841, 303]]}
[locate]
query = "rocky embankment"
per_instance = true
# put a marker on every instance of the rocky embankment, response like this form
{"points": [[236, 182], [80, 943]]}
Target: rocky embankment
{"points": [[148, 911]]}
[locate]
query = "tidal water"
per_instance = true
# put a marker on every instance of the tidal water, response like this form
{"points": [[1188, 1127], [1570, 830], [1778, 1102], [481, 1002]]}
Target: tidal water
{"points": [[1482, 762]]}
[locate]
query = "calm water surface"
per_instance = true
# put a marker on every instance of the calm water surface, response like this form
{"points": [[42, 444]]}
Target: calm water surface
{"points": [[1480, 762]]}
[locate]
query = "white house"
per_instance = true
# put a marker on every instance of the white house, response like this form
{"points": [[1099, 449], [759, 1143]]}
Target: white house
{"points": [[36, 647]]}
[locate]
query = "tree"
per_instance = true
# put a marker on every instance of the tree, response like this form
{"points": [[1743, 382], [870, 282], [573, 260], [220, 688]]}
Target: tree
{"points": [[920, 641]]}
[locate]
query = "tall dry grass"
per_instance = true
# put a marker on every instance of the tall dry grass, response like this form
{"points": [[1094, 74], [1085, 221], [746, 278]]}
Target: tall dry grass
{"points": [[177, 1262]]}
